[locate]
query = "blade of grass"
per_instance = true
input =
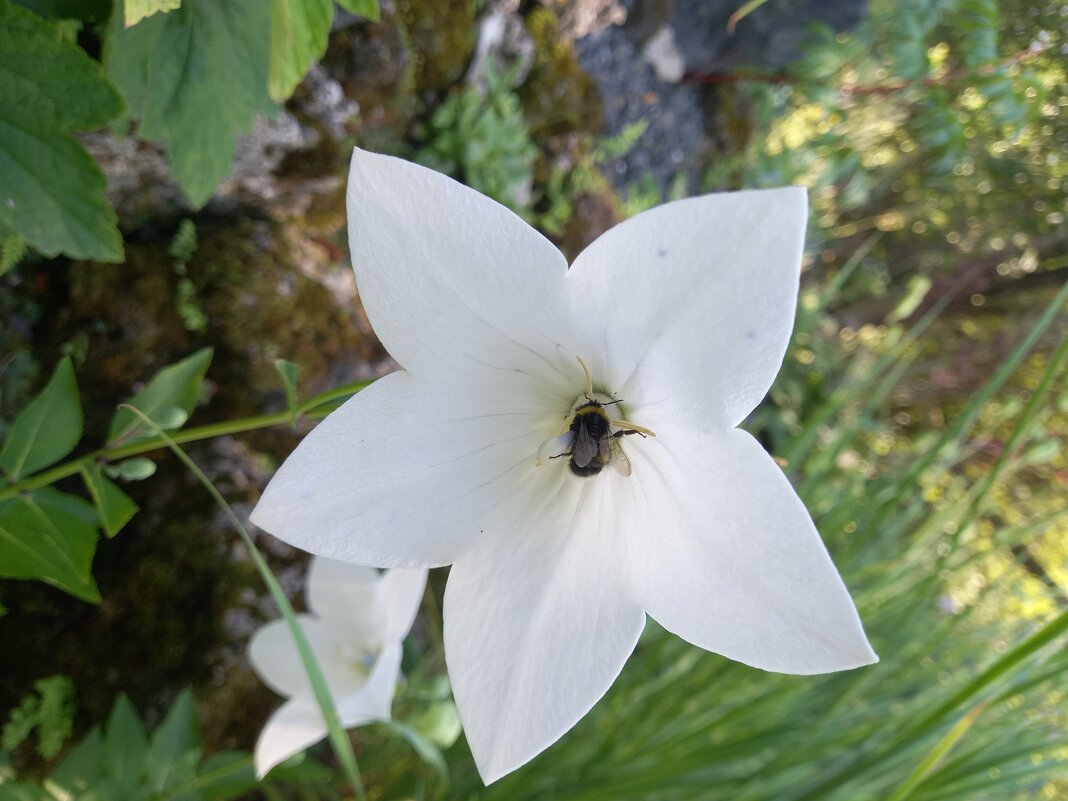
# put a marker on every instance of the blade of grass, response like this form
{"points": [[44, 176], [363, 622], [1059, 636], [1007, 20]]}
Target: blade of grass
{"points": [[802, 444], [1045, 635], [956, 432], [1020, 432], [936, 755], [338, 737]]}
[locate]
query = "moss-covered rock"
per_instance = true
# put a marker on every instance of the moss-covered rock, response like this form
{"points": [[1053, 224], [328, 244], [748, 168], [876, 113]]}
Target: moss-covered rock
{"points": [[442, 36], [558, 97], [375, 65]]}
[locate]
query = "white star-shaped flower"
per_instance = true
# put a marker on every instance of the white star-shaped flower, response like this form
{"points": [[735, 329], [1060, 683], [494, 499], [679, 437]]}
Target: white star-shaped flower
{"points": [[682, 316], [358, 620]]}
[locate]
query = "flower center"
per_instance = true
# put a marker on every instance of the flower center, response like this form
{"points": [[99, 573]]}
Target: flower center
{"points": [[359, 660], [591, 436]]}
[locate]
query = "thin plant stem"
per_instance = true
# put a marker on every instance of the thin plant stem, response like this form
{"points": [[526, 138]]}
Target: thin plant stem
{"points": [[315, 407], [338, 737]]}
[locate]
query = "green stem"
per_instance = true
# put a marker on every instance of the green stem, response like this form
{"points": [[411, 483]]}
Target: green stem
{"points": [[316, 407], [328, 708]]}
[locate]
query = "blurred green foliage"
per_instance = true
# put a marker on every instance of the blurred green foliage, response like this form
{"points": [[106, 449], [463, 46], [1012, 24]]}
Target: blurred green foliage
{"points": [[479, 136], [925, 433], [122, 762], [193, 75], [938, 123], [48, 710], [53, 192]]}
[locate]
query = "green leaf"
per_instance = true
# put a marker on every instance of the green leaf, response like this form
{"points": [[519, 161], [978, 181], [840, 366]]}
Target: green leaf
{"points": [[20, 723], [84, 10], [53, 191], [223, 776], [137, 10], [439, 723], [137, 469], [176, 385], [196, 78], [368, 9], [24, 792], [299, 30], [47, 429], [12, 249], [46, 536], [175, 749], [125, 747], [112, 504], [288, 371], [81, 769], [55, 714]]}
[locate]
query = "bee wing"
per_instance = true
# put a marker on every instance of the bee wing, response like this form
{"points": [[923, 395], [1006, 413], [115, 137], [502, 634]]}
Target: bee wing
{"points": [[585, 448], [618, 459]]}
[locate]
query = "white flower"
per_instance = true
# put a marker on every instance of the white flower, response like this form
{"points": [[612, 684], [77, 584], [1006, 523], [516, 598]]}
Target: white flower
{"points": [[359, 620], [682, 314]]}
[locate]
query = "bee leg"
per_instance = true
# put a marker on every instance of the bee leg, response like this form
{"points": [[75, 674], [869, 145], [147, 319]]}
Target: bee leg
{"points": [[630, 428]]}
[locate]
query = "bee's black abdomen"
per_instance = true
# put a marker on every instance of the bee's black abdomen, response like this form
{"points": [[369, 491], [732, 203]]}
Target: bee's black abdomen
{"points": [[592, 469], [592, 432]]}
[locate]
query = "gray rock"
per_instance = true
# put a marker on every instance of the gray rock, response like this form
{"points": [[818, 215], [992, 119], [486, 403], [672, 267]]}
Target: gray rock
{"points": [[768, 38], [673, 142]]}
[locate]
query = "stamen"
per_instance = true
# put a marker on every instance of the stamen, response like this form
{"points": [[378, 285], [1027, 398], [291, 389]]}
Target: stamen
{"points": [[645, 432], [589, 381]]}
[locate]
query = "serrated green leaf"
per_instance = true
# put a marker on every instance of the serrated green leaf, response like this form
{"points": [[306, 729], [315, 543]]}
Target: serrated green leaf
{"points": [[47, 429], [175, 386], [368, 9], [125, 747], [12, 249], [67, 504], [56, 714], [114, 506], [137, 10], [299, 31], [53, 192], [45, 536], [175, 749], [195, 77], [137, 469]]}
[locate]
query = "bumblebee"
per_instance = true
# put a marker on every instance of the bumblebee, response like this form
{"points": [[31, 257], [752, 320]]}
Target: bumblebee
{"points": [[588, 437], [595, 445]]}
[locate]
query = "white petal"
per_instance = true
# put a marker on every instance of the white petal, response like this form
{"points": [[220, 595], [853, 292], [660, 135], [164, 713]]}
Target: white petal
{"points": [[735, 565], [539, 619], [450, 279], [374, 700], [274, 656], [688, 307], [400, 593], [346, 595], [293, 727], [403, 473]]}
